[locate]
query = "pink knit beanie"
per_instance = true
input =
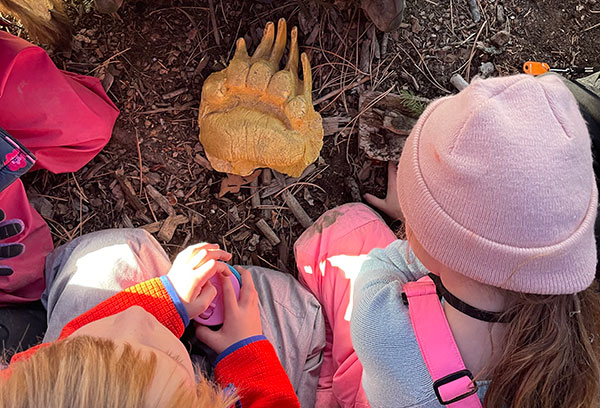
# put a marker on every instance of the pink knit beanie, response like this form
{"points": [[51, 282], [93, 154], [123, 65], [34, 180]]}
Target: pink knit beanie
{"points": [[497, 184]]}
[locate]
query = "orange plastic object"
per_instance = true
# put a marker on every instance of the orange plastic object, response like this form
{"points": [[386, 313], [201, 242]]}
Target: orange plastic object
{"points": [[254, 115], [535, 68]]}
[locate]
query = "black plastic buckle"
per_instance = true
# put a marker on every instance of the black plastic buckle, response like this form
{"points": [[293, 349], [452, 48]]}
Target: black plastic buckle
{"points": [[448, 379]]}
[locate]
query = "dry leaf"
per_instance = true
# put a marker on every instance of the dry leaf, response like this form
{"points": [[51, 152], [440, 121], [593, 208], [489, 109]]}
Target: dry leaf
{"points": [[232, 183], [172, 199]]}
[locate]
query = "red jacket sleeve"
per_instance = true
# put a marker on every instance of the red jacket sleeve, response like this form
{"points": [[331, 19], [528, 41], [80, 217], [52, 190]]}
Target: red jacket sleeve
{"points": [[259, 379], [151, 295]]}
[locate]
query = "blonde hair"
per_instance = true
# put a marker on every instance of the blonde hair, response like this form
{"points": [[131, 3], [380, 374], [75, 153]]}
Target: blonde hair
{"points": [[44, 20], [89, 372]]}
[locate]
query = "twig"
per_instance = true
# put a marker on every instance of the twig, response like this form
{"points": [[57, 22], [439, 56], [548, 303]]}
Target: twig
{"points": [[80, 215], [81, 223], [451, 18], [187, 106], [81, 193], [150, 206], [173, 94], [66, 233], [267, 262], [344, 89], [49, 196], [239, 226], [467, 76], [105, 63], [358, 71], [592, 27], [213, 19], [170, 224], [297, 209], [297, 183], [137, 141], [267, 232], [430, 77]]}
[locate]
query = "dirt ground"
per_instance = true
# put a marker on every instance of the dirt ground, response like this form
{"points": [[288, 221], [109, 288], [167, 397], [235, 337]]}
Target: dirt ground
{"points": [[153, 57]]}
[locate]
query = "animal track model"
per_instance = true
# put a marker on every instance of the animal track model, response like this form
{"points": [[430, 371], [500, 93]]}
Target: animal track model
{"points": [[254, 115]]}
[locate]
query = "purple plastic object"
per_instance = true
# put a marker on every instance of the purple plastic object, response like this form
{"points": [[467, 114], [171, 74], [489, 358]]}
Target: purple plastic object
{"points": [[214, 314]]}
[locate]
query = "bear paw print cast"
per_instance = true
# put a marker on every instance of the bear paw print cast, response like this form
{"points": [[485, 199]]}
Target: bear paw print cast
{"points": [[254, 115]]}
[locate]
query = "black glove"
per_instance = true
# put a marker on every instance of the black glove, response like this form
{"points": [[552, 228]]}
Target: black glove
{"points": [[8, 229]]}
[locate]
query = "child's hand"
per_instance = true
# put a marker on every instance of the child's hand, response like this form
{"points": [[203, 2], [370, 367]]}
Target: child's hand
{"points": [[242, 317], [390, 204], [191, 271]]}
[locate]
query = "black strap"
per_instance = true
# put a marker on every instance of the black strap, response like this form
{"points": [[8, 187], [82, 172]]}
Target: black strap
{"points": [[475, 313]]}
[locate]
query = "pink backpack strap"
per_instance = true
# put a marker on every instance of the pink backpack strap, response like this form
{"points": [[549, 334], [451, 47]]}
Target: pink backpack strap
{"points": [[452, 382]]}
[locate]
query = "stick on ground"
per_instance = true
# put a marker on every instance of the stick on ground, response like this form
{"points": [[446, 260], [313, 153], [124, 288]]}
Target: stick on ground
{"points": [[297, 209], [474, 10], [267, 231]]}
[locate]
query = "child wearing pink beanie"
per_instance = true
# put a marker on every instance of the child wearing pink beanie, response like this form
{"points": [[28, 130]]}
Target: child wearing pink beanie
{"points": [[499, 199]]}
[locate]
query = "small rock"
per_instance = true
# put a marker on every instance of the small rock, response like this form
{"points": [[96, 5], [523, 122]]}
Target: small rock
{"points": [[415, 27], [253, 242], [62, 209], [488, 49], [458, 82], [500, 14], [486, 69], [500, 38], [77, 206], [42, 206]]}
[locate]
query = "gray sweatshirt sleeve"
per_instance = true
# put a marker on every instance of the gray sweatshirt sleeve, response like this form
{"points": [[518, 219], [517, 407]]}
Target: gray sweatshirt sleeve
{"points": [[382, 335]]}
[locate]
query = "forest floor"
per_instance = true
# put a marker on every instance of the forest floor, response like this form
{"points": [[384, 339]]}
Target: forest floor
{"points": [[153, 57]]}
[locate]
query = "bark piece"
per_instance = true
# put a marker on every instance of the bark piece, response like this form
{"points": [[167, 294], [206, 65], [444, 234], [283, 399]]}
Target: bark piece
{"points": [[169, 226], [384, 124], [129, 192], [255, 200], [160, 199]]}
